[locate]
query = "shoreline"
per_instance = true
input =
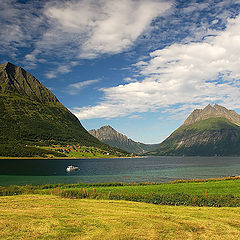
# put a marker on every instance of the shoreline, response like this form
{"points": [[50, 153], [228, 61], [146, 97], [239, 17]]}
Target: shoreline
{"points": [[62, 158]]}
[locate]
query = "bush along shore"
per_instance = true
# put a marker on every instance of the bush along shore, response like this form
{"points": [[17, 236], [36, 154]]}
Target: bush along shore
{"points": [[175, 199], [144, 192]]}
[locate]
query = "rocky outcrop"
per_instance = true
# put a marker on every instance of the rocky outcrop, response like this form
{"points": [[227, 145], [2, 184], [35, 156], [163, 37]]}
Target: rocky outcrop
{"points": [[110, 136], [14, 79], [215, 111]]}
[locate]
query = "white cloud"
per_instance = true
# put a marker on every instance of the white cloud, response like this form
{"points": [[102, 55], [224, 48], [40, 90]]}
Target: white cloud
{"points": [[181, 75], [128, 79], [74, 30], [51, 75], [195, 6], [76, 87], [88, 28], [19, 25], [62, 69], [135, 116]]}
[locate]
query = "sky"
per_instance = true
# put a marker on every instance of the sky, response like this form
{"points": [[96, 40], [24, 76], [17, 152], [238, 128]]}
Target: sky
{"points": [[141, 66]]}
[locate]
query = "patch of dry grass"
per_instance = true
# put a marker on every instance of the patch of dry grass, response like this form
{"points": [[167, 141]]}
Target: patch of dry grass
{"points": [[51, 217]]}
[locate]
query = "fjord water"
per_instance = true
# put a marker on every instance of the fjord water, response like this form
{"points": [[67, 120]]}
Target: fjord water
{"points": [[151, 169]]}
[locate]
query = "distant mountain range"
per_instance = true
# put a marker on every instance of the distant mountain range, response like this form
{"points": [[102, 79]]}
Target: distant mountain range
{"points": [[31, 114], [110, 136], [213, 130]]}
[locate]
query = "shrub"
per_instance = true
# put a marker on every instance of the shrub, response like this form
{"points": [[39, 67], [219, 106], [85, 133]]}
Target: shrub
{"points": [[163, 199]]}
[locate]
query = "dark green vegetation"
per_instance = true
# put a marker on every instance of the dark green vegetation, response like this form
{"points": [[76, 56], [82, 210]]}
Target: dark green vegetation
{"points": [[17, 150], [211, 131], [113, 138], [32, 115], [212, 192]]}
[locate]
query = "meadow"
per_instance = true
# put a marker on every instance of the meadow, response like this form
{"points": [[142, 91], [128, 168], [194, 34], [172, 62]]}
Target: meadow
{"points": [[76, 151], [211, 192], [52, 217], [177, 210], [193, 188]]}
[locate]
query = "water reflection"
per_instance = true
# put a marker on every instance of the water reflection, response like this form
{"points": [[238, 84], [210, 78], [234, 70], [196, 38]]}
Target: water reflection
{"points": [[152, 169]]}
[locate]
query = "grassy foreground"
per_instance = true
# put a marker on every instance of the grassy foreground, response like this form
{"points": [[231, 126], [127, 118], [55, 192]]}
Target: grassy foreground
{"points": [[52, 217], [220, 192]]}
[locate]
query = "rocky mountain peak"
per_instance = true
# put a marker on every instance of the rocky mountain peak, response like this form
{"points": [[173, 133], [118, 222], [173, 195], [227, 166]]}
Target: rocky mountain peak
{"points": [[8, 66], [110, 136], [14, 79], [106, 133], [210, 111], [107, 127], [209, 108]]}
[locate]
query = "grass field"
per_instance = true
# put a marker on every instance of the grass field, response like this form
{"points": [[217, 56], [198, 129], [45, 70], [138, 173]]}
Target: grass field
{"points": [[210, 187], [45, 215], [193, 188], [212, 192], [75, 151], [52, 217]]}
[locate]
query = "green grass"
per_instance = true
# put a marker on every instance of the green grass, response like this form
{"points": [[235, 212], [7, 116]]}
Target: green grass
{"points": [[52, 217], [15, 149], [212, 188], [209, 187], [25, 121], [209, 125], [78, 151], [212, 192], [90, 155]]}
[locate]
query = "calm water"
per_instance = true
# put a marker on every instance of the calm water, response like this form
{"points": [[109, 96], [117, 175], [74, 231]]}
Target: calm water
{"points": [[152, 169]]}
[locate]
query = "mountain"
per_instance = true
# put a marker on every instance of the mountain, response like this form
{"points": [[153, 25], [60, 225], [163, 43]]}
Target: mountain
{"points": [[211, 131], [110, 136], [31, 114], [215, 111]]}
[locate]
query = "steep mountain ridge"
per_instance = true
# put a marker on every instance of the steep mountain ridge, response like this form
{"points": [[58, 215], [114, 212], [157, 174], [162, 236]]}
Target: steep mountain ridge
{"points": [[206, 132], [31, 114], [215, 111], [15, 80], [110, 136]]}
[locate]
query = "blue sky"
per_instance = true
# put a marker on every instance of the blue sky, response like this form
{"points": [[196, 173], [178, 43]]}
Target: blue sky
{"points": [[140, 66]]}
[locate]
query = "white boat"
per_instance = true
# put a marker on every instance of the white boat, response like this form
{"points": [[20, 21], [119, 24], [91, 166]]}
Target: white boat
{"points": [[72, 168]]}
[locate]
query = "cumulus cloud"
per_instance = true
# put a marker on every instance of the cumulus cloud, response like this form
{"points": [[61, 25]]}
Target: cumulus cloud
{"points": [[88, 28], [181, 75], [74, 30]]}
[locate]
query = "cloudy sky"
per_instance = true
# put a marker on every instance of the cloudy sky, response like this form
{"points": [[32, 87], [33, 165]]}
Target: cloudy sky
{"points": [[140, 66]]}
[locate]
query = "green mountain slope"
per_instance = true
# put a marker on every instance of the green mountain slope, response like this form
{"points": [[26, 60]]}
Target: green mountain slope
{"points": [[31, 114], [208, 137], [110, 136]]}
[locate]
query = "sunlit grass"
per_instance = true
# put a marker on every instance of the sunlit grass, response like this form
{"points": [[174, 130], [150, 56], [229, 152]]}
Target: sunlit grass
{"points": [[51, 217], [74, 151], [221, 187]]}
